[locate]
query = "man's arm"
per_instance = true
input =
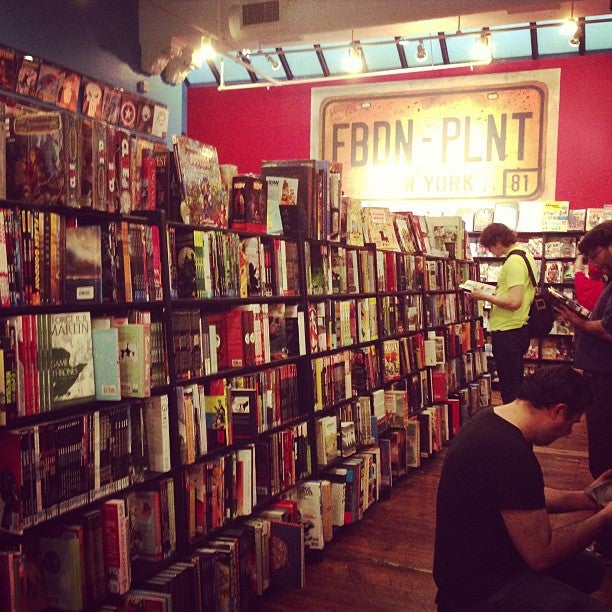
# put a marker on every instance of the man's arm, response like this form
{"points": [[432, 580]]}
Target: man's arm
{"points": [[594, 328], [560, 500], [542, 547]]}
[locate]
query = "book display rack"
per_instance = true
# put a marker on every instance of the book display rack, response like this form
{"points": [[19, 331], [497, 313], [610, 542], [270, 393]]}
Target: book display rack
{"points": [[554, 253], [188, 405]]}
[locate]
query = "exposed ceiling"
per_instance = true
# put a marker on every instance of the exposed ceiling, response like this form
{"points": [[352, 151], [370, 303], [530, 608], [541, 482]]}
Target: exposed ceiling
{"points": [[279, 42]]}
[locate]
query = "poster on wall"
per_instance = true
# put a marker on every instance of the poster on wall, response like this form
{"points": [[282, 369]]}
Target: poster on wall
{"points": [[480, 137]]}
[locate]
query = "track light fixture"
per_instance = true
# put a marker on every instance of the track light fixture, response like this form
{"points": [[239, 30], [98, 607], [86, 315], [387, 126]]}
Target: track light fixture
{"points": [[274, 63], [204, 52], [421, 52], [482, 50], [354, 59], [576, 37]]}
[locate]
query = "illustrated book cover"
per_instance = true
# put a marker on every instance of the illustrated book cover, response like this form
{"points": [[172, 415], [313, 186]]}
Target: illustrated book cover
{"points": [[72, 372], [83, 265], [204, 201]]}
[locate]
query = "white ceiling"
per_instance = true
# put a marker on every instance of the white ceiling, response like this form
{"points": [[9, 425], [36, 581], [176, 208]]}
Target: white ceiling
{"points": [[310, 36]]}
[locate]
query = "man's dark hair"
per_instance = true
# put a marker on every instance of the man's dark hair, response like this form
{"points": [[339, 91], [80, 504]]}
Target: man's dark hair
{"points": [[599, 236], [497, 233], [557, 384]]}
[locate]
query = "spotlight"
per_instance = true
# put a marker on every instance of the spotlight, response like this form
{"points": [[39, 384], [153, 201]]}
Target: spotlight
{"points": [[421, 52], [354, 59], [576, 37], [274, 63], [204, 53], [483, 47]]}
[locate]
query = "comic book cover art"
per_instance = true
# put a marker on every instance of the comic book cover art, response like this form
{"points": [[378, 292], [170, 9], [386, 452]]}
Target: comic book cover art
{"points": [[27, 77], [111, 104], [203, 195], [92, 99], [160, 121], [7, 69], [144, 117], [128, 111], [34, 156], [49, 81], [68, 94]]}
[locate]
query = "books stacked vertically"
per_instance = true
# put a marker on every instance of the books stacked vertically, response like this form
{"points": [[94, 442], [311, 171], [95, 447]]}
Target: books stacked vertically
{"points": [[305, 210], [204, 201]]}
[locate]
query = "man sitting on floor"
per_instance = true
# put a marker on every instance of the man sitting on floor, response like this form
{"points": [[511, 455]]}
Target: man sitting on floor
{"points": [[495, 548]]}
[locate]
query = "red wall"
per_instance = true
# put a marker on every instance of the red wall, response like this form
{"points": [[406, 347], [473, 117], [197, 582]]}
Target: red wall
{"points": [[250, 125]]}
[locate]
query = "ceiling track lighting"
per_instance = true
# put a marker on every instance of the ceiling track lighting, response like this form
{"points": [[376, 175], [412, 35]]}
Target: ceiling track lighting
{"points": [[483, 50], [574, 41], [353, 62], [205, 52], [421, 52], [274, 63]]}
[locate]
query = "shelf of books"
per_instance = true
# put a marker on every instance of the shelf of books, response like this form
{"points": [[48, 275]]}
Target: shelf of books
{"points": [[201, 368], [554, 250]]}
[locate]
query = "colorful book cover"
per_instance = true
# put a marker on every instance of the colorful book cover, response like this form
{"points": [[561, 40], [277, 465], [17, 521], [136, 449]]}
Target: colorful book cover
{"points": [[68, 94], [27, 77], [72, 372], [105, 344], [49, 81], [379, 228], [35, 164], [217, 417], [147, 538], [91, 105], [83, 264], [203, 196]]}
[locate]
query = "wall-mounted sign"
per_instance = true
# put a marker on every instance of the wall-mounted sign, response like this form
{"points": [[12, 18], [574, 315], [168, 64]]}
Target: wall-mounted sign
{"points": [[458, 138]]}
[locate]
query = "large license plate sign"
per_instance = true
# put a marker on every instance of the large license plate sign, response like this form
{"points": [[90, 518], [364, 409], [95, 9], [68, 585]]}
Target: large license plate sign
{"points": [[469, 143]]}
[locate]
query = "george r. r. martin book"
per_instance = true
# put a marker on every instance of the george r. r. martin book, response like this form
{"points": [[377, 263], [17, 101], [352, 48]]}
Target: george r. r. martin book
{"points": [[72, 373]]}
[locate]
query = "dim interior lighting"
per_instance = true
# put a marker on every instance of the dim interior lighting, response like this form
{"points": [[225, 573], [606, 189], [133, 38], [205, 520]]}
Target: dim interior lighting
{"points": [[354, 59], [275, 64], [483, 47], [421, 52]]}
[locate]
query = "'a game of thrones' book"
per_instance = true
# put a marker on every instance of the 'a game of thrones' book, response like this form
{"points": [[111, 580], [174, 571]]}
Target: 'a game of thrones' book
{"points": [[72, 373]]}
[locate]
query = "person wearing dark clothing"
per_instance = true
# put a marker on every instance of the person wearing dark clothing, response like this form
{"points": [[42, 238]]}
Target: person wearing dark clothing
{"points": [[495, 548]]}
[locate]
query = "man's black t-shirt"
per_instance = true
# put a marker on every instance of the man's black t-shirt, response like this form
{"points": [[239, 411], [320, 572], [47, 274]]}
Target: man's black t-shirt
{"points": [[489, 467]]}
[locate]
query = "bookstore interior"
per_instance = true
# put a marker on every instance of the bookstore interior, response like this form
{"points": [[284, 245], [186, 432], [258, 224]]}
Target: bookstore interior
{"points": [[207, 371]]}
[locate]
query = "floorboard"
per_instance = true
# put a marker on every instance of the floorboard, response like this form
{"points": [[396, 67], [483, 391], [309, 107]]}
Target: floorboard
{"points": [[384, 562]]}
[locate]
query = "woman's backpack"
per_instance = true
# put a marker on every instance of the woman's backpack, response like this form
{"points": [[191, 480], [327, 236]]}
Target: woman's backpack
{"points": [[541, 312]]}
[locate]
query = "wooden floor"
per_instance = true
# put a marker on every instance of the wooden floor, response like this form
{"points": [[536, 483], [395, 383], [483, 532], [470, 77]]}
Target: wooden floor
{"points": [[384, 562]]}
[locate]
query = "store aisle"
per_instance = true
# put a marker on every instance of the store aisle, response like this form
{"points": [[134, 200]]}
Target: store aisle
{"points": [[383, 563]]}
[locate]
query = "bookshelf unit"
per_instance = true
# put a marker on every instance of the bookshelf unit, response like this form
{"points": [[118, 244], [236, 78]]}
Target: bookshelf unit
{"points": [[554, 253], [253, 373]]}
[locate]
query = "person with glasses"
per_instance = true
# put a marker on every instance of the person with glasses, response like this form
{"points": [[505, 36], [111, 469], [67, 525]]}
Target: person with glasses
{"points": [[593, 355]]}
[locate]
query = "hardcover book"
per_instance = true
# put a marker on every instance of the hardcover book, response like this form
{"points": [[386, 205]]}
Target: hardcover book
{"points": [[204, 200], [287, 554], [72, 372], [135, 359], [379, 229], [83, 264], [248, 203], [35, 164], [157, 432]]}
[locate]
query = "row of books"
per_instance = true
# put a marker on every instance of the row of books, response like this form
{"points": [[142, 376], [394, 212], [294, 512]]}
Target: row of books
{"points": [[47, 258], [77, 161], [226, 411], [540, 216], [538, 246], [61, 465], [332, 269], [212, 263], [242, 336], [400, 271], [49, 361], [559, 348], [401, 313]]}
